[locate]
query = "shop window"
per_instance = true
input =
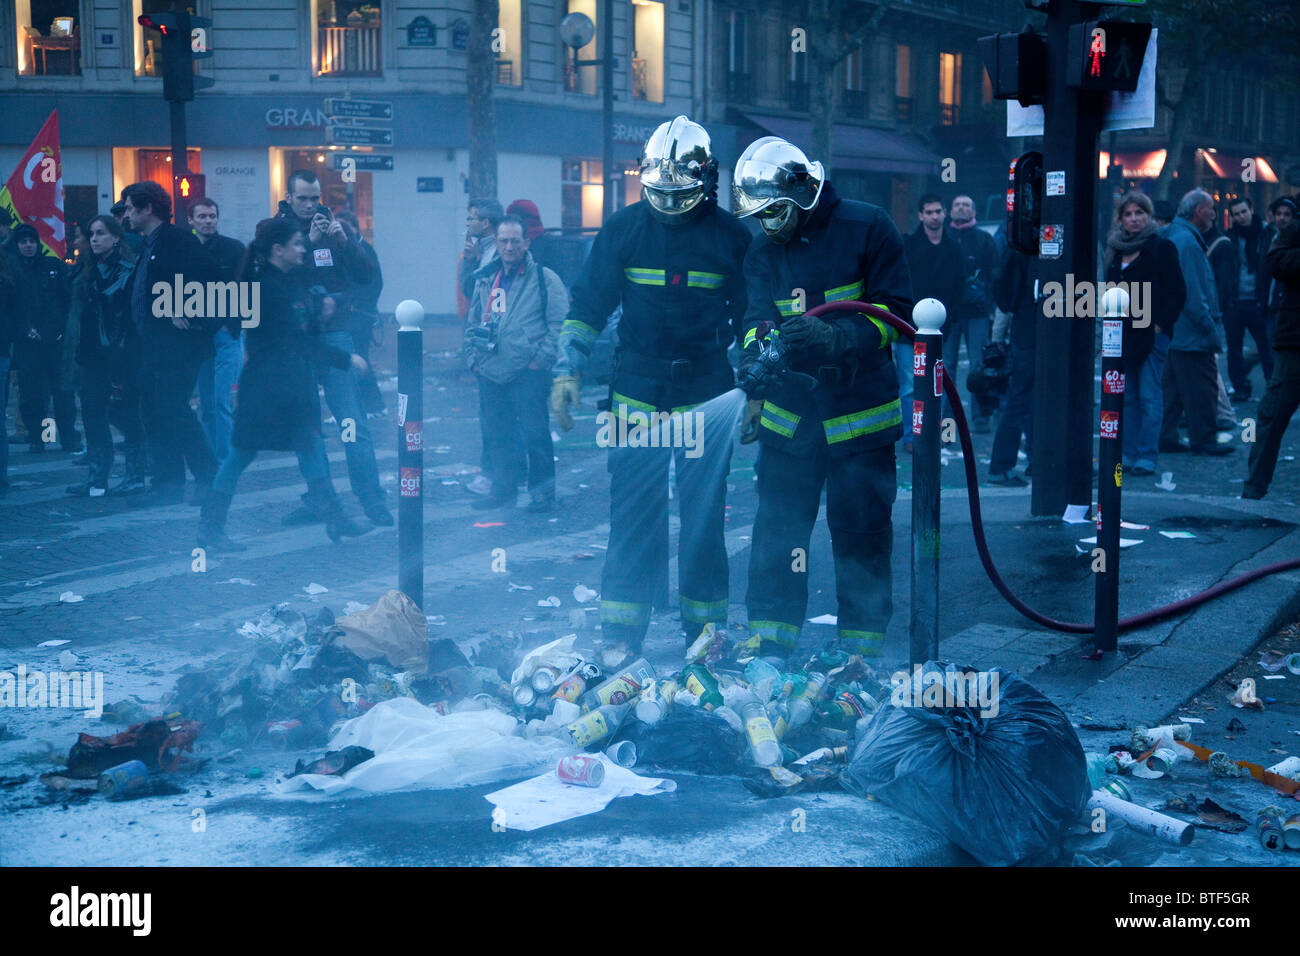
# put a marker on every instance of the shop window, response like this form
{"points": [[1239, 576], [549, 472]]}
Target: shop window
{"points": [[348, 38], [855, 85], [903, 82], [584, 79], [740, 83], [648, 50], [155, 165], [949, 88], [582, 196], [49, 37], [510, 43], [148, 44]]}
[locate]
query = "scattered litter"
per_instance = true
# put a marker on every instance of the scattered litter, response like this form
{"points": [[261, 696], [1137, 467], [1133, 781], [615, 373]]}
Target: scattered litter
{"points": [[1166, 482], [1235, 726], [489, 524], [1134, 527], [67, 660], [315, 588], [69, 597], [1150, 822], [1076, 514], [1244, 696], [1177, 534], [583, 556], [1274, 677], [243, 581], [442, 449], [437, 620], [392, 629], [546, 799], [551, 601], [158, 744], [1123, 542], [60, 514], [520, 587], [353, 606], [1289, 768], [59, 643], [824, 619], [1221, 765], [1272, 661], [1190, 720], [1208, 813], [582, 594], [335, 763]]}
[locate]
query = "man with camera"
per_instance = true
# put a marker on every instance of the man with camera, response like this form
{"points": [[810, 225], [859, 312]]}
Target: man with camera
{"points": [[334, 266], [512, 335]]}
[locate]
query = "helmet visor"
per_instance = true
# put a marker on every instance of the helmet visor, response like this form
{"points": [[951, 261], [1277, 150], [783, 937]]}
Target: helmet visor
{"points": [[674, 201]]}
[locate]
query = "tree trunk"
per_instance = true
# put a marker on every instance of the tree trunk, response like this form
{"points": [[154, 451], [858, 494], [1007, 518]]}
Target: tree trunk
{"points": [[824, 54], [479, 83], [1188, 103]]}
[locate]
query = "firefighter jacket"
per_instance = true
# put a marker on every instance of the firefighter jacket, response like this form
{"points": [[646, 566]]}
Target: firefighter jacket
{"points": [[683, 295], [846, 250]]}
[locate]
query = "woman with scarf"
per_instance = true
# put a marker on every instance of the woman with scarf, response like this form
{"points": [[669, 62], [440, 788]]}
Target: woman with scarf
{"points": [[278, 405], [1135, 253], [103, 341]]}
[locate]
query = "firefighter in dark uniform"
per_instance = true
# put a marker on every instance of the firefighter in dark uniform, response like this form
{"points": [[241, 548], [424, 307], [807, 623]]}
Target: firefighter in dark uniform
{"points": [[838, 432], [674, 263]]}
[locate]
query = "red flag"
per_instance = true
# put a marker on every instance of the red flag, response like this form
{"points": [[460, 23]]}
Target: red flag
{"points": [[34, 192]]}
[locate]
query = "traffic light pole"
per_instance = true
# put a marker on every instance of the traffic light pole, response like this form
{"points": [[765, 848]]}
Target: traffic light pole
{"points": [[1064, 362], [180, 160]]}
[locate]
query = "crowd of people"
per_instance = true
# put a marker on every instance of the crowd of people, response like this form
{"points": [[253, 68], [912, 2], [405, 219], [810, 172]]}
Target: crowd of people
{"points": [[102, 333]]}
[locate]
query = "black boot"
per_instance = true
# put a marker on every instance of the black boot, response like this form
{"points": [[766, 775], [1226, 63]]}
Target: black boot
{"points": [[212, 524], [134, 482], [97, 484], [323, 499]]}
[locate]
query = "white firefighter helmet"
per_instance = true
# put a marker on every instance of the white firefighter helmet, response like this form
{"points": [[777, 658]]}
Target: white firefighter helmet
{"points": [[678, 169], [775, 180]]}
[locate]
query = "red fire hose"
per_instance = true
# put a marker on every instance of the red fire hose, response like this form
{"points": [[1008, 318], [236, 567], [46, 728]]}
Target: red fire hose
{"points": [[977, 520]]}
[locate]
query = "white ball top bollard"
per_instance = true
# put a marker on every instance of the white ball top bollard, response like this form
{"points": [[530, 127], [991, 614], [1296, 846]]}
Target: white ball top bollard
{"points": [[410, 315], [1114, 303], [928, 315]]}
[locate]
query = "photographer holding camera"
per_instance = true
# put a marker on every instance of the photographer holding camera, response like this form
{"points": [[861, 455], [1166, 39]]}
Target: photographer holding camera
{"points": [[335, 261], [512, 337]]}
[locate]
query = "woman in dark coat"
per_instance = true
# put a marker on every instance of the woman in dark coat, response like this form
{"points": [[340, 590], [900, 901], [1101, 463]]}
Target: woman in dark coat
{"points": [[278, 407], [104, 342], [1148, 266]]}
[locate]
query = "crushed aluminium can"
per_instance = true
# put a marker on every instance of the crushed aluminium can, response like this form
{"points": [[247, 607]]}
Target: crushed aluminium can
{"points": [[1270, 832], [581, 771]]}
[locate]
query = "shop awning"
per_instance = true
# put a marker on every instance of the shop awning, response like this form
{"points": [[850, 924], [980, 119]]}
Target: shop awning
{"points": [[1231, 165], [857, 147]]}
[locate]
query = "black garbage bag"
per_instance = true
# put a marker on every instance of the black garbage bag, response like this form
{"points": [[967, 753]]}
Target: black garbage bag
{"points": [[1004, 786], [686, 738]]}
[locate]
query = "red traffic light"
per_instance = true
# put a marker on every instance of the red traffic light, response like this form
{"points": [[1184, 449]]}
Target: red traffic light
{"points": [[162, 22]]}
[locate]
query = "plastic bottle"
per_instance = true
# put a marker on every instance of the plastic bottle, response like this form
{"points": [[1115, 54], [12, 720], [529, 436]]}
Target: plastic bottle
{"points": [[763, 745], [778, 712], [763, 678], [621, 687], [801, 708], [699, 680], [843, 711], [597, 725]]}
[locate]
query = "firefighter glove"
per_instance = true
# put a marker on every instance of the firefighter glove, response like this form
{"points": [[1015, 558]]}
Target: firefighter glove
{"points": [[749, 421], [810, 337], [564, 394]]}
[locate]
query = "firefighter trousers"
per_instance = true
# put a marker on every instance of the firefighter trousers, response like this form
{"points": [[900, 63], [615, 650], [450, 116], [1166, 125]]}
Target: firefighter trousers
{"points": [[636, 564], [860, 492]]}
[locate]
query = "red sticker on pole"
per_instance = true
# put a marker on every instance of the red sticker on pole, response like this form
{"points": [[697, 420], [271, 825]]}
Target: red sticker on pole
{"points": [[918, 414], [938, 378], [414, 436], [1112, 382], [410, 482], [918, 358], [1109, 424]]}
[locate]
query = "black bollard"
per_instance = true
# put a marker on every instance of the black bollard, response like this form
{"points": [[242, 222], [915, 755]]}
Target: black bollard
{"points": [[926, 423], [1110, 455], [410, 450]]}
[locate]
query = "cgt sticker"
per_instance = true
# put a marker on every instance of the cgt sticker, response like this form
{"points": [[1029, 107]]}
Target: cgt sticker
{"points": [[410, 482], [918, 359], [1110, 424], [918, 416], [414, 436], [1112, 383], [938, 378]]}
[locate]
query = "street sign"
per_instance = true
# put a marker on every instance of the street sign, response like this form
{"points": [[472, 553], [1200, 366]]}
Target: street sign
{"points": [[365, 162], [359, 109], [358, 136], [428, 184]]}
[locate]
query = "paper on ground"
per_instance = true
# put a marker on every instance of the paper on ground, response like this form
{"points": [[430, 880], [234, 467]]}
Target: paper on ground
{"points": [[1076, 514], [1178, 534], [824, 619], [418, 748], [547, 799], [1123, 542]]}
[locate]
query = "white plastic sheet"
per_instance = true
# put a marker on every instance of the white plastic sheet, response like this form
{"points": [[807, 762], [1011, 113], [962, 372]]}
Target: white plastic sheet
{"points": [[418, 748], [546, 799]]}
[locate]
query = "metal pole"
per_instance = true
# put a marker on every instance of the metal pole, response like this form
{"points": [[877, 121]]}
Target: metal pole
{"points": [[180, 160], [607, 133], [1109, 476], [410, 450], [927, 421]]}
